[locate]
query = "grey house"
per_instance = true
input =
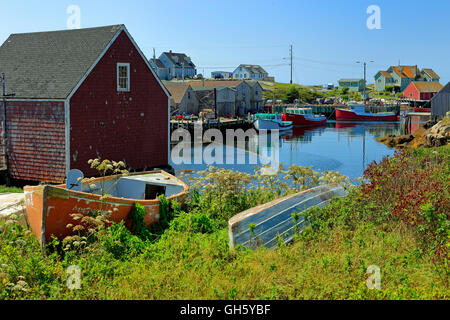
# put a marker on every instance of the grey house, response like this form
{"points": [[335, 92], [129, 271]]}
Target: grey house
{"points": [[250, 71], [226, 99], [183, 99], [440, 103], [243, 92], [160, 69], [178, 65], [256, 97]]}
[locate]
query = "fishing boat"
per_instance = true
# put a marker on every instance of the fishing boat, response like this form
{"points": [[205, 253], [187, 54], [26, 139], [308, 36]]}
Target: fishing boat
{"points": [[263, 225], [358, 113], [49, 208], [303, 117], [271, 121]]}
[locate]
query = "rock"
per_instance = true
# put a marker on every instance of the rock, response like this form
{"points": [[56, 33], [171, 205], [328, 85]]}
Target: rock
{"points": [[403, 139]]}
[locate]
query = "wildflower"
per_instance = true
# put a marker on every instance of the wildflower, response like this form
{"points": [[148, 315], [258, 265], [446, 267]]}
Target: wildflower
{"points": [[78, 228], [9, 222]]}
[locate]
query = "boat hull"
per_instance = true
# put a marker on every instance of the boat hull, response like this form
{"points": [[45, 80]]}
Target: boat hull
{"points": [[348, 115], [275, 218], [268, 125], [301, 120], [49, 208]]}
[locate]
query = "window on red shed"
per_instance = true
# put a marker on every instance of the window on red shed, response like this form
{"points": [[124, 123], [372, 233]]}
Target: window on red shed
{"points": [[123, 77]]}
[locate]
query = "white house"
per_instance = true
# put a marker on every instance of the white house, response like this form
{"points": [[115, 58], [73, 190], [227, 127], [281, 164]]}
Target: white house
{"points": [[249, 71]]}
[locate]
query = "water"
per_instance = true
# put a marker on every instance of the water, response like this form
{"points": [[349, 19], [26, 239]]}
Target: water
{"points": [[346, 147]]}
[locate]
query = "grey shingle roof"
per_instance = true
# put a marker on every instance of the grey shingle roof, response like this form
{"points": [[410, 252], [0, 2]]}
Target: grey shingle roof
{"points": [[179, 59], [255, 69], [50, 64], [157, 63]]}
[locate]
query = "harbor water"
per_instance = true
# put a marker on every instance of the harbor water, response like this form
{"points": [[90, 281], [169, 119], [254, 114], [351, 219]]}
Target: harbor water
{"points": [[346, 147]]}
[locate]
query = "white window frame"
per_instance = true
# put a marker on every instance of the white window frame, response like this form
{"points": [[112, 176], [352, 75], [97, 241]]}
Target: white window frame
{"points": [[123, 64]]}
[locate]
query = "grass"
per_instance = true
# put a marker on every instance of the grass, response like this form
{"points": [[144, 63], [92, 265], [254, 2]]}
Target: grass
{"points": [[5, 189], [383, 223]]}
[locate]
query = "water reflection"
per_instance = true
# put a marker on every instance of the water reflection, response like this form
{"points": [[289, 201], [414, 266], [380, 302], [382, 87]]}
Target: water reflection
{"points": [[347, 147]]}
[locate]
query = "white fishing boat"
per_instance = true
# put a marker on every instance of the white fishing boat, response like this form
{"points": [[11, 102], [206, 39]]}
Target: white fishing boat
{"points": [[271, 121], [263, 225]]}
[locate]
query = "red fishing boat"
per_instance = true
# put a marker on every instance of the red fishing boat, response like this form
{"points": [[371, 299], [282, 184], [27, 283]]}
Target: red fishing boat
{"points": [[358, 113], [303, 117]]}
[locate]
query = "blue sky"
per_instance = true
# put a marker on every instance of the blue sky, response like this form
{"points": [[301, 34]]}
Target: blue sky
{"points": [[328, 36]]}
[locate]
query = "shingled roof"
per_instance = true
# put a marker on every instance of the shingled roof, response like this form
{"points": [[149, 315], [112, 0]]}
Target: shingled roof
{"points": [[179, 59], [424, 86], [50, 64], [431, 73], [255, 69], [157, 63], [177, 90]]}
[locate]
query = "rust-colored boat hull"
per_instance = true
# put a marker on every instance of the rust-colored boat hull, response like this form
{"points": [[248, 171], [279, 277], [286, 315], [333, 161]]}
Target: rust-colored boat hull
{"points": [[49, 208]]}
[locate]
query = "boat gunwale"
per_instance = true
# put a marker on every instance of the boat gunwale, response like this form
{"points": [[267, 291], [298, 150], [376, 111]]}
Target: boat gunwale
{"points": [[255, 210], [97, 197], [382, 114]]}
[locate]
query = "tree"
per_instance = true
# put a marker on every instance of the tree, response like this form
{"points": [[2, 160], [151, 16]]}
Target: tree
{"points": [[345, 90], [292, 94]]}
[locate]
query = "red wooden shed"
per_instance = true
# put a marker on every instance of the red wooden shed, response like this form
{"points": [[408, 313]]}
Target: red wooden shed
{"points": [[79, 94], [421, 90]]}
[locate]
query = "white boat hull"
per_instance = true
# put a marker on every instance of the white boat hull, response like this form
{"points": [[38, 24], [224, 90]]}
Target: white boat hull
{"points": [[273, 220], [268, 125]]}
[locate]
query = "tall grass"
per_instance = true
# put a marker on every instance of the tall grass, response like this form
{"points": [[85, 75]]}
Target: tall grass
{"points": [[190, 258]]}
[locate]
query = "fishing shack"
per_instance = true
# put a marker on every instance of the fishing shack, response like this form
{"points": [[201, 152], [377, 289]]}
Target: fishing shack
{"points": [[73, 95]]}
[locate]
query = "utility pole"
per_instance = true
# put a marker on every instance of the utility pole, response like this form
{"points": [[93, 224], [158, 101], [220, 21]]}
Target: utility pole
{"points": [[291, 63], [182, 71], [365, 67], [215, 103]]}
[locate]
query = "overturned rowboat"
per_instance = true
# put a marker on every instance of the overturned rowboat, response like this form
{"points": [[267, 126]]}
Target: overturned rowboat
{"points": [[265, 224], [49, 208]]}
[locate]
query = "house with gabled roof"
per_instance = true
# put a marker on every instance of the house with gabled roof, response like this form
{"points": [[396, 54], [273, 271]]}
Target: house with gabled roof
{"points": [[430, 75], [183, 99], [176, 65], [400, 77], [160, 69], [224, 101], [80, 94], [421, 90], [246, 93], [250, 71]]}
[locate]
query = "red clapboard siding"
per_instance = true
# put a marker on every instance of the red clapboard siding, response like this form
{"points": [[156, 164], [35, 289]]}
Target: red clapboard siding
{"points": [[121, 126], [36, 140]]}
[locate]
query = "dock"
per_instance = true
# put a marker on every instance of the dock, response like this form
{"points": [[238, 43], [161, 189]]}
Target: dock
{"points": [[221, 124], [328, 110]]}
